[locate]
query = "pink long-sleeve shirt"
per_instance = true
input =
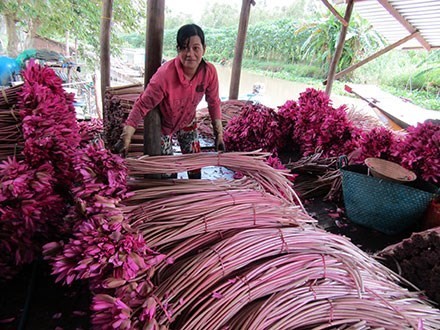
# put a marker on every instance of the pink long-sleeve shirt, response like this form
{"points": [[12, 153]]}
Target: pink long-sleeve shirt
{"points": [[177, 97]]}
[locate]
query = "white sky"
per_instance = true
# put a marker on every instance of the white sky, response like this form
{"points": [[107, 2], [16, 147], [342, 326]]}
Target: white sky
{"points": [[195, 7]]}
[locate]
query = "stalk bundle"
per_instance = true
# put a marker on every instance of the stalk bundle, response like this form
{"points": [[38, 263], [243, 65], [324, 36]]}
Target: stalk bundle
{"points": [[229, 109], [363, 120], [151, 189], [118, 103], [321, 291], [417, 259], [244, 257], [189, 215], [249, 163], [239, 252], [11, 139], [320, 176], [9, 96]]}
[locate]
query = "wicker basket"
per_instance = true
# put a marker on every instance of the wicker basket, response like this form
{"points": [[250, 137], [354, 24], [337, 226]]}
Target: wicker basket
{"points": [[384, 205], [384, 169]]}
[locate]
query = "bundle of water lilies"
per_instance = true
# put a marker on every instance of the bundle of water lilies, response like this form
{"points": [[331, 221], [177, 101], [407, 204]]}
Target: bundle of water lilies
{"points": [[184, 254], [311, 125], [37, 188]]}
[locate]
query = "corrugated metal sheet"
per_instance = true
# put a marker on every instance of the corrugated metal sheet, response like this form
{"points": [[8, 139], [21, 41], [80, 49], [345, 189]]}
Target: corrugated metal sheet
{"points": [[396, 19]]}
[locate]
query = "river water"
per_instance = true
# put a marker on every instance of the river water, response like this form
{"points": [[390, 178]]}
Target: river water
{"points": [[274, 91]]}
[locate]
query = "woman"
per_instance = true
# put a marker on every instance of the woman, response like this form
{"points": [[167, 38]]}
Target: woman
{"points": [[177, 88]]}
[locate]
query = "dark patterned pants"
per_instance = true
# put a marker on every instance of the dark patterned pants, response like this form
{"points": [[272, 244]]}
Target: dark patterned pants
{"points": [[188, 139]]}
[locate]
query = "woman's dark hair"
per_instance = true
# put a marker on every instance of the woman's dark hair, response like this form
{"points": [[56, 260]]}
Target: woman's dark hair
{"points": [[187, 31]]}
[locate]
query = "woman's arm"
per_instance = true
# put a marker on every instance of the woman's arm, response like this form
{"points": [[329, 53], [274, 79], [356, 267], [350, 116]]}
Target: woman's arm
{"points": [[212, 92], [213, 100], [149, 99]]}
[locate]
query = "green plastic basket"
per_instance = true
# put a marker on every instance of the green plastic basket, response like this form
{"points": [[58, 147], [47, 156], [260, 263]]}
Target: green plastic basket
{"points": [[381, 204]]}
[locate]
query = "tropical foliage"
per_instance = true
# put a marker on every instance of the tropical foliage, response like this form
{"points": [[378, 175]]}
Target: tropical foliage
{"points": [[57, 19]]}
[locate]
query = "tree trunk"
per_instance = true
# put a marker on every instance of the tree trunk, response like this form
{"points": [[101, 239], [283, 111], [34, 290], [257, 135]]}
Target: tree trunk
{"points": [[67, 44], [11, 30], [32, 33]]}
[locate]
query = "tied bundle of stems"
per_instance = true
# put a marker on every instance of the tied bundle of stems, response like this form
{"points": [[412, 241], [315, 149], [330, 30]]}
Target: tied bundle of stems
{"points": [[11, 138], [118, 102], [320, 176], [198, 213], [244, 258], [229, 109], [250, 164], [9, 96]]}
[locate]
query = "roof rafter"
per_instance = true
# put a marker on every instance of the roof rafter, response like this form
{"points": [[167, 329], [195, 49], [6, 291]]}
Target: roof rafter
{"points": [[390, 8]]}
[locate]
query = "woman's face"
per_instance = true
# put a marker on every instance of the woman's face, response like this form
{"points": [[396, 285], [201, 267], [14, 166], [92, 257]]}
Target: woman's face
{"points": [[191, 56]]}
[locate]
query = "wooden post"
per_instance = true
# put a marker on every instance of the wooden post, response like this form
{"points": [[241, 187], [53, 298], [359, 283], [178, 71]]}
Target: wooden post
{"points": [[106, 17], [339, 48], [239, 47], [153, 60]]}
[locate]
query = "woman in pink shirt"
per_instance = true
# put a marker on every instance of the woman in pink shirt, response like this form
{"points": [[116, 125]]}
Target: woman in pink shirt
{"points": [[177, 88]]}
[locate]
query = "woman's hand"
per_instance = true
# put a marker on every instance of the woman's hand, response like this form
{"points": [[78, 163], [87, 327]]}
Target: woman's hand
{"points": [[124, 141], [218, 135], [219, 144]]}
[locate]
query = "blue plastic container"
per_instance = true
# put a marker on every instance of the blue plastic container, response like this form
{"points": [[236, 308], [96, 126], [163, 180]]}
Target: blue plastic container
{"points": [[8, 68]]}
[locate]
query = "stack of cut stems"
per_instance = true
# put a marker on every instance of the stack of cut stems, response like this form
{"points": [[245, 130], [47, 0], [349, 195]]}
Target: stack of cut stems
{"points": [[11, 139], [320, 176], [118, 103], [246, 258], [250, 164], [229, 109]]}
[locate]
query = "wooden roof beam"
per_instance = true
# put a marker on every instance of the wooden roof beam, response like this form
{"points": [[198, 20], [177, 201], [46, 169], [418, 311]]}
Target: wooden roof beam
{"points": [[335, 12], [402, 20], [375, 55]]}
